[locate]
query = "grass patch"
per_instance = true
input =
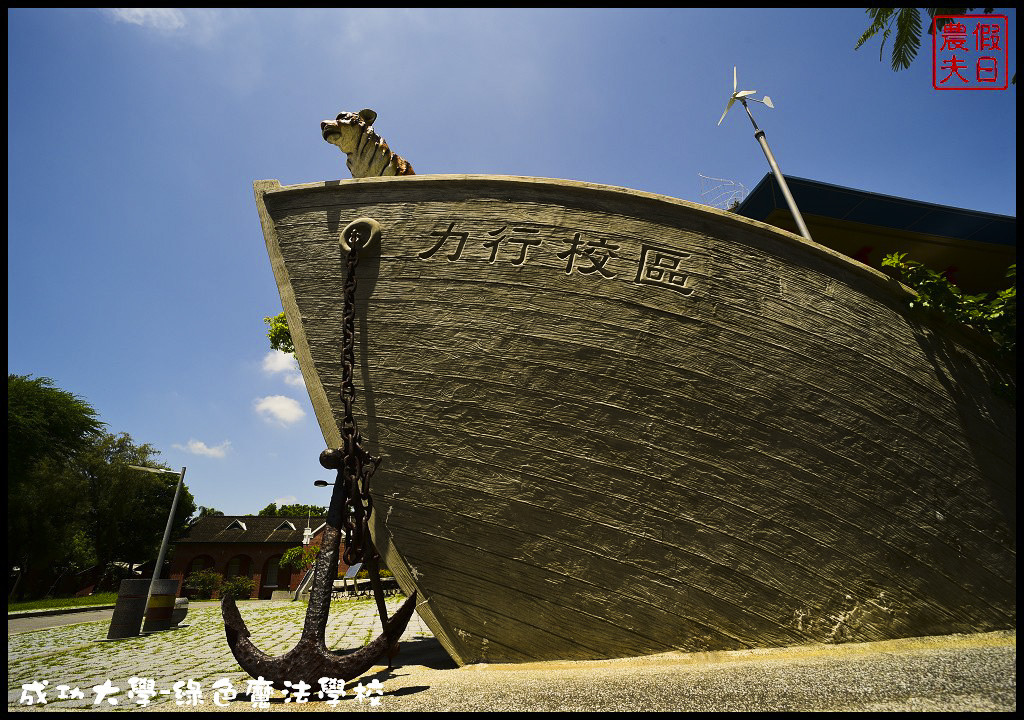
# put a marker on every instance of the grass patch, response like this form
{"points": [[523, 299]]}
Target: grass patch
{"points": [[68, 602]]}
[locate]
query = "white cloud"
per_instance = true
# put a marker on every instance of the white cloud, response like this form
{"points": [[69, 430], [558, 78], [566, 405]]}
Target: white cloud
{"points": [[162, 19], [200, 25], [276, 362], [197, 447], [295, 380], [280, 409], [286, 500]]}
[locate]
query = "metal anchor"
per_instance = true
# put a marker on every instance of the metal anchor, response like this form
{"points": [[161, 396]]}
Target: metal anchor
{"points": [[310, 659], [349, 512]]}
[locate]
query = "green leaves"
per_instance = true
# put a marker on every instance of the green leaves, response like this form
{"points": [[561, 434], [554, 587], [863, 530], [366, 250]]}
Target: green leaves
{"points": [[238, 587], [72, 501], [279, 334], [907, 23], [908, 33], [204, 582], [294, 510], [879, 20], [44, 421], [908, 38], [995, 316], [299, 558]]}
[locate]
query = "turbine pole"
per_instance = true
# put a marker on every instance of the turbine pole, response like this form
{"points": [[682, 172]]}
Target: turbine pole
{"points": [[759, 134]]}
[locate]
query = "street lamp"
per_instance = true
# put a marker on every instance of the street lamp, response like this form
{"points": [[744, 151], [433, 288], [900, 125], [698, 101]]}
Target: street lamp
{"points": [[170, 521]]}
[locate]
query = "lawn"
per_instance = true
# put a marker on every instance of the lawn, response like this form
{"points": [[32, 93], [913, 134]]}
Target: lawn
{"points": [[65, 602]]}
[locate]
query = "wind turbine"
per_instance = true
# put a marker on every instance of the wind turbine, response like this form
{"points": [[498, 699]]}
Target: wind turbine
{"points": [[743, 96]]}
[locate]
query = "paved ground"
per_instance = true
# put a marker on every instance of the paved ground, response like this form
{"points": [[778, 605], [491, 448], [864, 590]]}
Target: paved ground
{"points": [[31, 622], [966, 672]]}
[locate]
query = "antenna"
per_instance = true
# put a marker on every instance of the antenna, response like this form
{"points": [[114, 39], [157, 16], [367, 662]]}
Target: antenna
{"points": [[743, 96], [721, 193]]}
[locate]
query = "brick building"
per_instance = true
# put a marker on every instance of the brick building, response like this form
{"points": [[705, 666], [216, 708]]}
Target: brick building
{"points": [[246, 545]]}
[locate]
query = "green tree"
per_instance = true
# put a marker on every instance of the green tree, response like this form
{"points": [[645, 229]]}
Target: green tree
{"points": [[47, 525], [48, 429], [279, 334], [128, 508], [204, 512], [44, 421], [907, 24], [72, 500], [295, 510], [299, 558]]}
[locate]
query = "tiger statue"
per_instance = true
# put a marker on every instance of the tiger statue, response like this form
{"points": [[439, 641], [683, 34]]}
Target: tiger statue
{"points": [[368, 154]]}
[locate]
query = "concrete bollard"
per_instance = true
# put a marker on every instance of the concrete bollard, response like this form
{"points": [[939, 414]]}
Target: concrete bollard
{"points": [[180, 611], [130, 607], [161, 606]]}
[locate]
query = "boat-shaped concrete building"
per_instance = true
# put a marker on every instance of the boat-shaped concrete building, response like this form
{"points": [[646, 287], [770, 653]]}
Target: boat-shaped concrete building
{"points": [[615, 423]]}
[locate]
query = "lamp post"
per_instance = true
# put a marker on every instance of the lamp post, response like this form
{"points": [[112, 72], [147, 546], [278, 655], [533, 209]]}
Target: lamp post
{"points": [[170, 521]]}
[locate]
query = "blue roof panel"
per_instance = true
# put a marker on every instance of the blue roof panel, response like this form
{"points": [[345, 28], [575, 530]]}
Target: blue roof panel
{"points": [[835, 201]]}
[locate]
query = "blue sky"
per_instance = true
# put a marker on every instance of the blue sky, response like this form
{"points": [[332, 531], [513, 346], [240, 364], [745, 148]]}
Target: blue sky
{"points": [[137, 272]]}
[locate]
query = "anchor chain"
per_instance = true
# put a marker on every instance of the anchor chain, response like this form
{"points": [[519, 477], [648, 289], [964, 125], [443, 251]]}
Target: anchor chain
{"points": [[349, 513], [354, 464]]}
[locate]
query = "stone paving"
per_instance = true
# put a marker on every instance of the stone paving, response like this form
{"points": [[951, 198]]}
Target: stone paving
{"points": [[946, 673], [78, 656]]}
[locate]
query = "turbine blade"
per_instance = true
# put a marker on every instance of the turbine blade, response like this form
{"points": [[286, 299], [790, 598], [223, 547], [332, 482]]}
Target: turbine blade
{"points": [[768, 101], [734, 79], [731, 101], [744, 93]]}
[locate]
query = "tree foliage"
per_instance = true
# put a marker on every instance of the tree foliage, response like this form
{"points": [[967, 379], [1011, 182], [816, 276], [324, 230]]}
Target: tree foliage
{"points": [[908, 35], [204, 512], [238, 587], [47, 429], [279, 334], [907, 24], [294, 510], [992, 315], [204, 582], [299, 558], [44, 421], [72, 502], [128, 508]]}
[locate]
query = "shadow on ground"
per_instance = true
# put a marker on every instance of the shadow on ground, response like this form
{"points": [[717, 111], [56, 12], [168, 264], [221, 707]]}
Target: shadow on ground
{"points": [[426, 652]]}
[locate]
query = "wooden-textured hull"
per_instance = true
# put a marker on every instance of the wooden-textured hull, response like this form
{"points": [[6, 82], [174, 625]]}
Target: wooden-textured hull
{"points": [[614, 423]]}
